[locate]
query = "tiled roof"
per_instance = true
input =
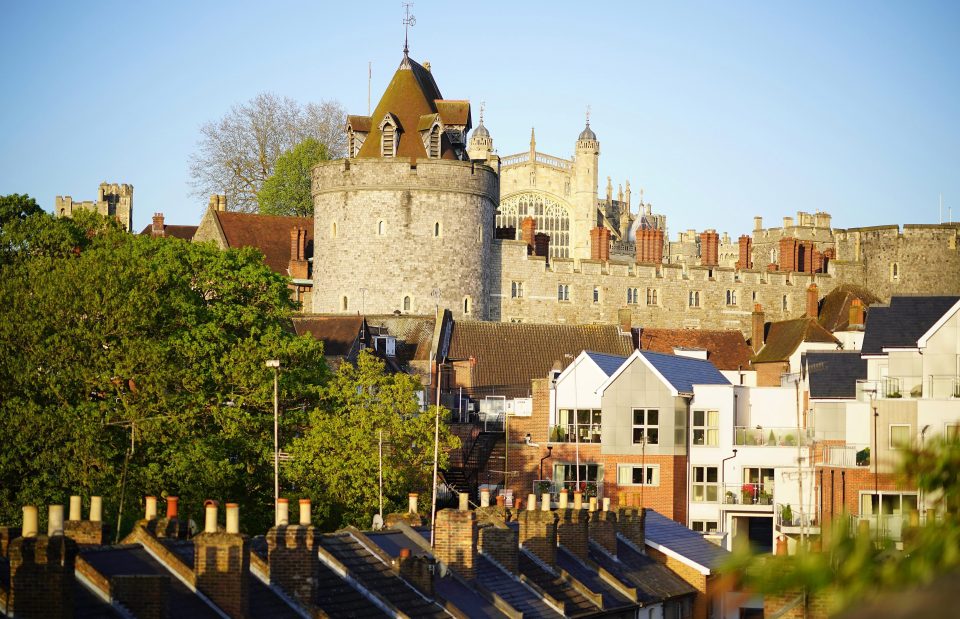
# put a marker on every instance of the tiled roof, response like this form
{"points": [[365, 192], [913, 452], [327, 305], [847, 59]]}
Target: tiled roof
{"points": [[835, 307], [653, 581], [268, 233], [684, 372], [727, 350], [376, 576], [338, 599], [834, 374], [574, 603], [612, 598], [338, 333], [784, 337], [903, 322], [181, 232], [510, 355], [679, 539], [454, 111], [608, 364], [494, 578], [411, 94], [359, 123]]}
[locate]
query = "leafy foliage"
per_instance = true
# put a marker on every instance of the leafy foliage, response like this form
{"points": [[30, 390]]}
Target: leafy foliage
{"points": [[113, 341], [336, 460], [287, 192], [852, 564], [237, 153]]}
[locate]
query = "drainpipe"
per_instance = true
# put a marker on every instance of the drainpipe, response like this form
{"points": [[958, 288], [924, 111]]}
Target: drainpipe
{"points": [[723, 477], [549, 452]]}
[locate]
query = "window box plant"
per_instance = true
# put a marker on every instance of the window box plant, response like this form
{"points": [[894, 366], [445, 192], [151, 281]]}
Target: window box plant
{"points": [[863, 457], [748, 493], [786, 515], [731, 498]]}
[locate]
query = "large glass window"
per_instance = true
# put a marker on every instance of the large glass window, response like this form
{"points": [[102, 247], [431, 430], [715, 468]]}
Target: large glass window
{"points": [[899, 435], [552, 218], [638, 475], [705, 487], [706, 429], [646, 426], [578, 426]]}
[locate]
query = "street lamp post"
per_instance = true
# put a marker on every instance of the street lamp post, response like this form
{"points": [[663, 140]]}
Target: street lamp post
{"points": [[275, 364]]}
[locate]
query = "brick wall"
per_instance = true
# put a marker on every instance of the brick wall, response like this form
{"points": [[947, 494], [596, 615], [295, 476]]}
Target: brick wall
{"points": [[603, 530], [538, 534], [455, 540], [222, 565], [811, 608], [709, 248], [500, 543], [41, 577], [6, 535], [573, 530], [87, 532], [692, 576], [294, 566], [745, 246]]}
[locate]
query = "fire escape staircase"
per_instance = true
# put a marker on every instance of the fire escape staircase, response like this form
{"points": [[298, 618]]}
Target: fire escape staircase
{"points": [[466, 477]]}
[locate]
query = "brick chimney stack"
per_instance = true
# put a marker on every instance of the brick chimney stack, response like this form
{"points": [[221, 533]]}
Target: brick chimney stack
{"points": [[649, 243], [538, 531], [298, 267], [86, 531], [600, 244], [500, 543], [813, 299], [746, 252], [541, 244], [292, 554], [157, 229], [756, 340], [573, 530], [222, 563], [709, 248], [528, 228], [455, 540], [856, 318], [41, 570], [631, 523], [603, 528]]}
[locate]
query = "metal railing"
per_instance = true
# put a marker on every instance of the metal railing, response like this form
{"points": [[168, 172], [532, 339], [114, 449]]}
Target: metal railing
{"points": [[789, 515], [760, 436], [846, 456], [942, 387], [883, 526], [588, 488], [567, 433], [747, 494]]}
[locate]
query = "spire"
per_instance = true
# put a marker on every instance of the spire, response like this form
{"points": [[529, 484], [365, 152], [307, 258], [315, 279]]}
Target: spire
{"points": [[408, 22], [609, 189], [533, 145]]}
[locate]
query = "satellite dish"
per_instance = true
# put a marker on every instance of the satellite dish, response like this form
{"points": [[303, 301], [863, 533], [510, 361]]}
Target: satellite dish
{"points": [[377, 522]]}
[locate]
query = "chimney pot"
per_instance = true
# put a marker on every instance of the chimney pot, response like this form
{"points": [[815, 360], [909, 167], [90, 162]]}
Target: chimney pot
{"points": [[96, 509], [210, 522], [484, 498], [233, 518], [305, 512], [172, 507], [55, 520], [563, 499], [531, 502], [593, 503], [545, 501], [464, 499], [29, 528], [501, 500], [75, 506], [577, 500], [283, 512], [404, 553], [606, 504], [412, 502], [150, 512]]}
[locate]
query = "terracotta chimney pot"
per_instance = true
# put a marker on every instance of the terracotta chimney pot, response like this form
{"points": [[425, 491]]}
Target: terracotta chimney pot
{"points": [[172, 506]]}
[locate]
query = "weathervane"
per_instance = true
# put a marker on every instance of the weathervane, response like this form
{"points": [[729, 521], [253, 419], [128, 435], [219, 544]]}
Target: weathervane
{"points": [[408, 22], [483, 104], [588, 115]]}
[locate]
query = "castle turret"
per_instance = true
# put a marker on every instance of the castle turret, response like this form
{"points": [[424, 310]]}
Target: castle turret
{"points": [[480, 147], [585, 173]]}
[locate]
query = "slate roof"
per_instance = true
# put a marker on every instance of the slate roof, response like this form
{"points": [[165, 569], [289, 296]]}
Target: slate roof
{"points": [[612, 598], [494, 578], [784, 337], [180, 232], [411, 94], [608, 364], [834, 374], [376, 576], [835, 307], [510, 355], [903, 322], [653, 581], [684, 372], [268, 233], [726, 350], [574, 603], [679, 539]]}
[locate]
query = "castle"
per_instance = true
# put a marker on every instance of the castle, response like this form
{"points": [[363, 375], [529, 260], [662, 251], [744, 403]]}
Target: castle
{"points": [[114, 200], [420, 217]]}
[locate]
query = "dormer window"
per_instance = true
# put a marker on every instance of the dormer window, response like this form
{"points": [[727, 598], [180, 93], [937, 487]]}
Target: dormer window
{"points": [[434, 147], [351, 142], [388, 136]]}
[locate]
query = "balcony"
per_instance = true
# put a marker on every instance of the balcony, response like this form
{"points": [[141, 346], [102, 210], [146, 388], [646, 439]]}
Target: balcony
{"points": [[759, 436], [752, 494], [589, 489], [846, 456], [791, 521], [943, 387], [883, 526]]}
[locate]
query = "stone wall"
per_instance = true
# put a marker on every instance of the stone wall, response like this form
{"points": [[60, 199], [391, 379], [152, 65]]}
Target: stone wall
{"points": [[387, 229], [113, 199]]}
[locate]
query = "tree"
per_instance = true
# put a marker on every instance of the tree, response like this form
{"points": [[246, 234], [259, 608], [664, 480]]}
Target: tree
{"points": [[287, 191], [142, 359], [17, 206], [237, 153], [336, 460]]}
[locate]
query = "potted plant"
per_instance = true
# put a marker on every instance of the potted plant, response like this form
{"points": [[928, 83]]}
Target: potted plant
{"points": [[544, 486], [764, 498], [790, 440], [589, 489], [894, 394], [772, 438], [786, 515], [731, 497], [747, 493], [863, 457], [558, 434]]}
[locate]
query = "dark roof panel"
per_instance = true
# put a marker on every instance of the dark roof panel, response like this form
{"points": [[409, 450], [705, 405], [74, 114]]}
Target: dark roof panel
{"points": [[574, 602], [685, 372], [653, 581], [608, 364], [834, 374], [903, 322], [681, 540], [493, 578]]}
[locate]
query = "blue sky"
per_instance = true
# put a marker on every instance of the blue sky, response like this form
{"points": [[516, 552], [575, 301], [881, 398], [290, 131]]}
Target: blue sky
{"points": [[720, 110]]}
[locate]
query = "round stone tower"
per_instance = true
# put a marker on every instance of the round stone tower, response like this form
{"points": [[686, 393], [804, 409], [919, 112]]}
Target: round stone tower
{"points": [[406, 223]]}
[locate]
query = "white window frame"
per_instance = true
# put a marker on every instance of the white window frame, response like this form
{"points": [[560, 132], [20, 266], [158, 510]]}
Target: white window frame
{"points": [[650, 472], [645, 427], [705, 526], [907, 443], [705, 427], [706, 485]]}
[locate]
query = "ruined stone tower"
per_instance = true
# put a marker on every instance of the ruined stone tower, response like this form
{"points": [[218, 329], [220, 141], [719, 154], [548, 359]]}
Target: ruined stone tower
{"points": [[113, 199]]}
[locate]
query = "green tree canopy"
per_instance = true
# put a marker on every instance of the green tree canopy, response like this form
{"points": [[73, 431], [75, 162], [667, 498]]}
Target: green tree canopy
{"points": [[17, 206], [155, 345], [336, 461], [287, 191]]}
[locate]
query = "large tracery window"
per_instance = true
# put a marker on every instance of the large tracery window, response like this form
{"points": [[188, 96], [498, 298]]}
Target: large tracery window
{"points": [[552, 218]]}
